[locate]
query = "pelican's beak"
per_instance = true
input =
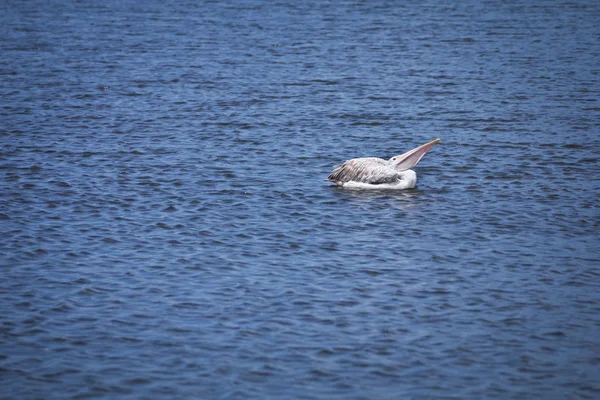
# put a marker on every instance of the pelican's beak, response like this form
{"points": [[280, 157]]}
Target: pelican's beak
{"points": [[411, 158]]}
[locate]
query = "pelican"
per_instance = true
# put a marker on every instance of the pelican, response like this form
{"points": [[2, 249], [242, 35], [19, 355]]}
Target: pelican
{"points": [[377, 173]]}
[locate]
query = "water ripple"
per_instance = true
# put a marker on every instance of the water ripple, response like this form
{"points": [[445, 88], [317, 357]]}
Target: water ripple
{"points": [[168, 230]]}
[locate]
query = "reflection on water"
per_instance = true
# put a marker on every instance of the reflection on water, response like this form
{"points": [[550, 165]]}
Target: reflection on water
{"points": [[379, 199]]}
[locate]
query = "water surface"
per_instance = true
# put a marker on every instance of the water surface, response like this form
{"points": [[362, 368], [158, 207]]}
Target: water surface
{"points": [[167, 230]]}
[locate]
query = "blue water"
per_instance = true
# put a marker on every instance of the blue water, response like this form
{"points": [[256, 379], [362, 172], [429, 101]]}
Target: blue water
{"points": [[168, 230]]}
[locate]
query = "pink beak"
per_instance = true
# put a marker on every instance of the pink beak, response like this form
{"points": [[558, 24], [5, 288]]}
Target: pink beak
{"points": [[411, 158]]}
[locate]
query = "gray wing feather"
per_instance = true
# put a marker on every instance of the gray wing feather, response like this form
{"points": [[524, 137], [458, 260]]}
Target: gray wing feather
{"points": [[369, 170]]}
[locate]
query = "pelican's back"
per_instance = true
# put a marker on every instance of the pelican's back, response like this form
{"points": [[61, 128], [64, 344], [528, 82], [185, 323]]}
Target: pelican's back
{"points": [[369, 170]]}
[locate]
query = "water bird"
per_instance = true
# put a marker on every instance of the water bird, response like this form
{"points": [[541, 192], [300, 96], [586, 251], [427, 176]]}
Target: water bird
{"points": [[377, 173]]}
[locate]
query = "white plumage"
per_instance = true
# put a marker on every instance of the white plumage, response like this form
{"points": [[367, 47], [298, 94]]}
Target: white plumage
{"points": [[377, 173]]}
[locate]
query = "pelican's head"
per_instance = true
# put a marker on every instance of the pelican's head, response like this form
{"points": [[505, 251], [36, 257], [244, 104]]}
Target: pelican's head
{"points": [[411, 158]]}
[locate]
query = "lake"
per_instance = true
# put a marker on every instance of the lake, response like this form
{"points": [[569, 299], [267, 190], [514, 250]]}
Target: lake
{"points": [[168, 230]]}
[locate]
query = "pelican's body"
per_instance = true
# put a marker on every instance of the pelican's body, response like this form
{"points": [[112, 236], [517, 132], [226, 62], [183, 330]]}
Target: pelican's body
{"points": [[372, 173], [377, 173]]}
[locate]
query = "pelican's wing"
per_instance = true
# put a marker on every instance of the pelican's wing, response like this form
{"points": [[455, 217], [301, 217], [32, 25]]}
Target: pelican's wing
{"points": [[369, 170]]}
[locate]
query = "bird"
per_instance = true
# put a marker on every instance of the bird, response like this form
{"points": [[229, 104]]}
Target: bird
{"points": [[377, 173]]}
